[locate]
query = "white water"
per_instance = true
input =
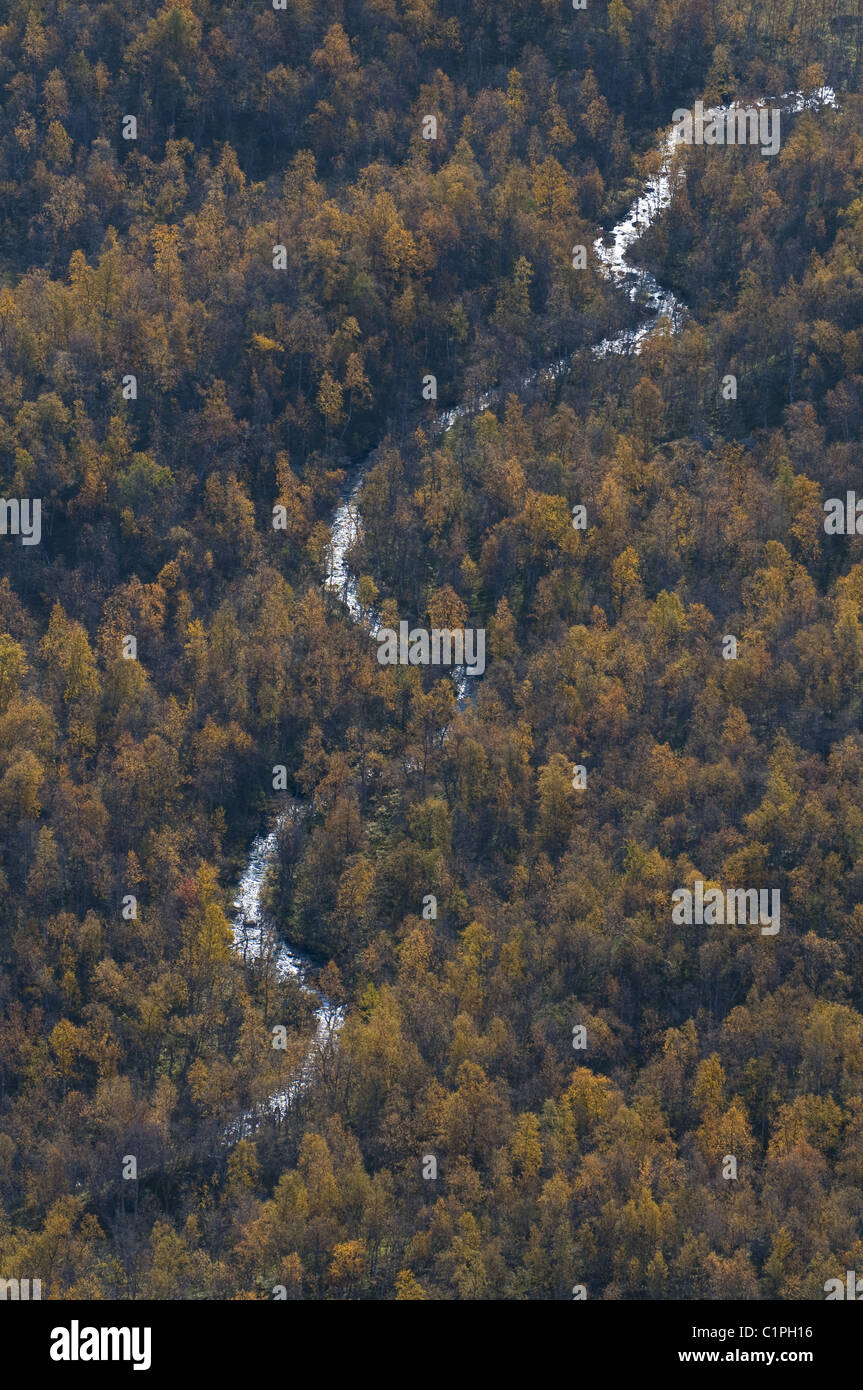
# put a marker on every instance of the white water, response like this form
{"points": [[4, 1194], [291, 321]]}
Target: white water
{"points": [[638, 284], [255, 939], [257, 942], [611, 252]]}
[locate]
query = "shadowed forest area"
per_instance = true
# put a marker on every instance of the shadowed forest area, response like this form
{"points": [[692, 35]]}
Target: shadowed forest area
{"points": [[164, 385]]}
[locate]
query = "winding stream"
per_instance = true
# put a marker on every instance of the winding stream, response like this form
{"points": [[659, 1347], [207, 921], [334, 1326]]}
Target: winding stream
{"points": [[255, 939], [258, 943]]}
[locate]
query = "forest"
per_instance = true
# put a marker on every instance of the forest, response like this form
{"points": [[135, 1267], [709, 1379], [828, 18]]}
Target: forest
{"points": [[225, 308]]}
